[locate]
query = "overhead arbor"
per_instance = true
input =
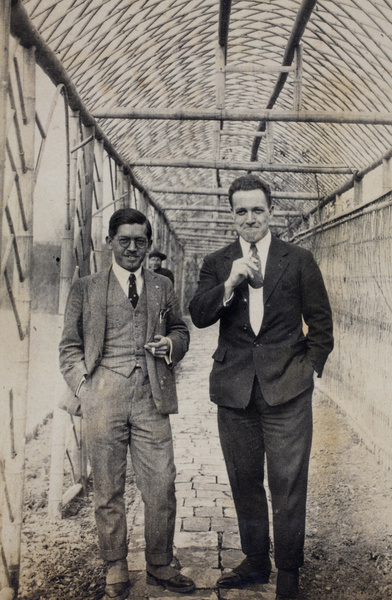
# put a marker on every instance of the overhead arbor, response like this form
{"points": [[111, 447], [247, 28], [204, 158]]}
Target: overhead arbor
{"points": [[189, 92]]}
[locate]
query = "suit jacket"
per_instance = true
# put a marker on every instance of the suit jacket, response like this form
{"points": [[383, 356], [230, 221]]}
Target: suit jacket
{"points": [[81, 346], [281, 355]]}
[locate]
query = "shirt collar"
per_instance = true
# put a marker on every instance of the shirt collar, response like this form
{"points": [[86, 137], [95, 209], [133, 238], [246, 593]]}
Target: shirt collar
{"points": [[262, 245], [123, 275]]}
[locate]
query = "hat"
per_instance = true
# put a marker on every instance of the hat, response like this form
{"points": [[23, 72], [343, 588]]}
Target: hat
{"points": [[158, 254]]}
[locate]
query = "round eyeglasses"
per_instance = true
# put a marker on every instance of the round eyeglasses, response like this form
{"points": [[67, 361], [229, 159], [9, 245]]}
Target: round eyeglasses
{"points": [[139, 242]]}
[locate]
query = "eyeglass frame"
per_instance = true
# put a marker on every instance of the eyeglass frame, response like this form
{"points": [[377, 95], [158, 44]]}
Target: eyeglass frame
{"points": [[140, 243]]}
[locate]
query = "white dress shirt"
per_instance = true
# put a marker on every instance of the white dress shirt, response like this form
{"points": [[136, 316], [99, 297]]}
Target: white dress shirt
{"points": [[256, 296], [123, 278]]}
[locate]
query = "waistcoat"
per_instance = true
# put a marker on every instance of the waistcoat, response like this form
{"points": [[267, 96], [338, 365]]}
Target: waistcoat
{"points": [[125, 333]]}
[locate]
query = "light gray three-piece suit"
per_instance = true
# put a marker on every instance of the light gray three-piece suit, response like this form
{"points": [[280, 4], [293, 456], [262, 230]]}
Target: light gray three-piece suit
{"points": [[126, 401]]}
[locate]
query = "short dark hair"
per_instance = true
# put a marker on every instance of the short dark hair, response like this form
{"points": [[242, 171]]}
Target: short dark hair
{"points": [[246, 183], [129, 216]]}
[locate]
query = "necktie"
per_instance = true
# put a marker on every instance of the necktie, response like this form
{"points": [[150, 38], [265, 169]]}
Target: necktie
{"points": [[257, 281], [132, 291]]}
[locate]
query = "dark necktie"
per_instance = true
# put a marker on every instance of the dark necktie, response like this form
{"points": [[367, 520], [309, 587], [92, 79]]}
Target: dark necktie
{"points": [[257, 280], [132, 291]]}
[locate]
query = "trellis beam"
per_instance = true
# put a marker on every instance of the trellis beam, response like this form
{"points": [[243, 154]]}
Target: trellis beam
{"points": [[225, 192], [255, 69], [240, 166], [214, 114], [210, 208]]}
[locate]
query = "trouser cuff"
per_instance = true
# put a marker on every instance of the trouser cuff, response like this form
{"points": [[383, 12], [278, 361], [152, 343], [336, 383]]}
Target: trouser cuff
{"points": [[114, 553]]}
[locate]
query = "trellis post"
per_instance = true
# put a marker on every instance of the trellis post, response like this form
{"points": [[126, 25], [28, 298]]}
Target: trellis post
{"points": [[21, 232]]}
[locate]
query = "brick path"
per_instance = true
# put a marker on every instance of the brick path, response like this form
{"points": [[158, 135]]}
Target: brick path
{"points": [[206, 538]]}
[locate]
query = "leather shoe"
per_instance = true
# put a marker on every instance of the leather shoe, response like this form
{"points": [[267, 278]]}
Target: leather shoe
{"points": [[178, 583], [243, 575], [117, 591]]}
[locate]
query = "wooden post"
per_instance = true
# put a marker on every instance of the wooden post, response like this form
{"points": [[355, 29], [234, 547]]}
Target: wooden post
{"points": [[358, 192], [386, 175], [297, 100], [13, 467], [5, 580], [270, 142], [87, 200], [97, 225], [67, 269], [220, 85], [55, 500]]}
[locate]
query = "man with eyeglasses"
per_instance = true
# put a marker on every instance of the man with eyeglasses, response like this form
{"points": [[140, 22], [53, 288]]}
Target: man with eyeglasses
{"points": [[122, 337]]}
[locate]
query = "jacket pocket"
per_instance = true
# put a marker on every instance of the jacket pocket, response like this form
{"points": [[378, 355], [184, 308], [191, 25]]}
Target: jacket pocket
{"points": [[219, 354]]}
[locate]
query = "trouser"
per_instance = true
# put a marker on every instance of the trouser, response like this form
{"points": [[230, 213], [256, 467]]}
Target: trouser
{"points": [[283, 434], [120, 412]]}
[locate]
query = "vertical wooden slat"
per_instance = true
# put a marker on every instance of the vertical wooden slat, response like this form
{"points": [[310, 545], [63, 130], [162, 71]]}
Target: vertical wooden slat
{"points": [[12, 465], [297, 102], [87, 198], [67, 268], [386, 175], [98, 218], [269, 142], [5, 578], [358, 192], [4, 36], [55, 498]]}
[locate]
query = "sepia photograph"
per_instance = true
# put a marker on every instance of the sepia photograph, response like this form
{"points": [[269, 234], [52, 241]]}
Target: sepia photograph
{"points": [[195, 299]]}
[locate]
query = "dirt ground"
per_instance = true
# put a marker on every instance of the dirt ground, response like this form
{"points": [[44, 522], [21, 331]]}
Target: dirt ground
{"points": [[349, 532]]}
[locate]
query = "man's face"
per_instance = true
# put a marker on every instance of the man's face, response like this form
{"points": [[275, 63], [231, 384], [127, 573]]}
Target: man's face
{"points": [[130, 245], [154, 262], [251, 214]]}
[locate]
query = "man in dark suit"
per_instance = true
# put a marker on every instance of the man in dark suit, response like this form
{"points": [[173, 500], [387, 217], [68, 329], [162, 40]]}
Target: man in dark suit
{"points": [[155, 259], [261, 289], [122, 336]]}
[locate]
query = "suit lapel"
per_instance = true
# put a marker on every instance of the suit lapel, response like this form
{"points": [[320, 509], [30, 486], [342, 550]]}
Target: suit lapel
{"points": [[98, 296], [277, 262], [154, 300]]}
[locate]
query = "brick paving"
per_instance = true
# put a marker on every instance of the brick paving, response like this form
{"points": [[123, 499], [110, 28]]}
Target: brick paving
{"points": [[206, 539]]}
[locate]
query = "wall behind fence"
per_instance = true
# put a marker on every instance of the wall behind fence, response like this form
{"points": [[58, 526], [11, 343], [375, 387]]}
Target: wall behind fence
{"points": [[354, 255]]}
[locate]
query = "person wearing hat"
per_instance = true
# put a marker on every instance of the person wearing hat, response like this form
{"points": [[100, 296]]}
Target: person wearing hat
{"points": [[155, 259]]}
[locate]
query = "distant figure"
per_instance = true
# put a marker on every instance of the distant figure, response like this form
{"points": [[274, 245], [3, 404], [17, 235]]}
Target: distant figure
{"points": [[123, 335], [260, 288], [155, 259]]}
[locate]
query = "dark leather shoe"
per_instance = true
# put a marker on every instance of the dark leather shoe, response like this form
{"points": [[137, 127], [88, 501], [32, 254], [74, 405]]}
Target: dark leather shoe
{"points": [[287, 586], [179, 583], [245, 574], [117, 591]]}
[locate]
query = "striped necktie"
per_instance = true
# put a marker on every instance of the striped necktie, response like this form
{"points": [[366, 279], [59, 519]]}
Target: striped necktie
{"points": [[257, 280]]}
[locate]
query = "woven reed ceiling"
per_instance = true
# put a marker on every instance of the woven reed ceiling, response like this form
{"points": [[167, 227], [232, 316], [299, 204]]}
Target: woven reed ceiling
{"points": [[162, 54]]}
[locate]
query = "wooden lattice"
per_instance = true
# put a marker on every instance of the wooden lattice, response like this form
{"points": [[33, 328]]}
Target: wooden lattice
{"points": [[154, 53], [17, 183]]}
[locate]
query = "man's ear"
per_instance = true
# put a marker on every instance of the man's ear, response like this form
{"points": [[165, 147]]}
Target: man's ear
{"points": [[149, 245], [108, 240], [272, 208]]}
